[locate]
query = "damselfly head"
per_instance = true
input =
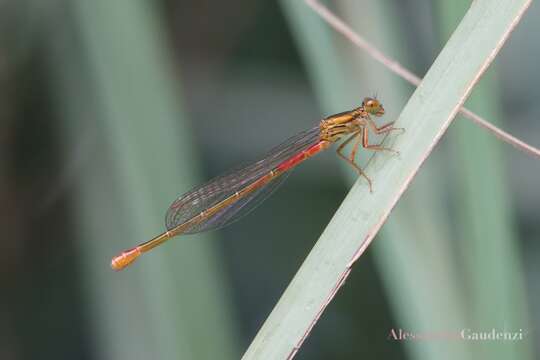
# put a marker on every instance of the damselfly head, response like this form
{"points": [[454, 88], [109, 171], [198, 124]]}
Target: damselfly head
{"points": [[373, 106]]}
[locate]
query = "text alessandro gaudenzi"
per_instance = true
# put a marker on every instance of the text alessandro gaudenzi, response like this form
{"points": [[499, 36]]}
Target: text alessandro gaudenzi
{"points": [[465, 334]]}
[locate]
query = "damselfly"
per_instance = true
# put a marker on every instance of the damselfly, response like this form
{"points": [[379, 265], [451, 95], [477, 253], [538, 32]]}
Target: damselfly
{"points": [[225, 199]]}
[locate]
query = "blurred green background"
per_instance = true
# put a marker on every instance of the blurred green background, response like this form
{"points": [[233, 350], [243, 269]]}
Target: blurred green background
{"points": [[110, 110]]}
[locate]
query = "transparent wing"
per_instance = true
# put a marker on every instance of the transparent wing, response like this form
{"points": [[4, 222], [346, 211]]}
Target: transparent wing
{"points": [[238, 209], [208, 195]]}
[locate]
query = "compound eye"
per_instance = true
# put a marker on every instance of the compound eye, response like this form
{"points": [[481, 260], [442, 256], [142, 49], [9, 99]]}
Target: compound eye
{"points": [[371, 105]]}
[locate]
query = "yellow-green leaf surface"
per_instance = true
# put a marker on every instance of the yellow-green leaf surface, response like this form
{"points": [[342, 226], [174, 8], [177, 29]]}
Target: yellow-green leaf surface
{"points": [[426, 116]]}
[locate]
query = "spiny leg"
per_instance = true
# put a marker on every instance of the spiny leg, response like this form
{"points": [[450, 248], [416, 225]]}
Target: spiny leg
{"points": [[347, 141], [386, 128], [362, 136], [375, 147], [355, 147], [351, 162]]}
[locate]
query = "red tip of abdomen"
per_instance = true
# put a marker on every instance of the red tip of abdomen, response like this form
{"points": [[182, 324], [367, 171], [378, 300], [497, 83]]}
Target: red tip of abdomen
{"points": [[123, 260]]}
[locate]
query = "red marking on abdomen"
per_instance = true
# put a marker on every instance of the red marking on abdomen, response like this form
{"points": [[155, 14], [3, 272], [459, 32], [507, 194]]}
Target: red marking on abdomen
{"points": [[298, 158], [285, 166]]}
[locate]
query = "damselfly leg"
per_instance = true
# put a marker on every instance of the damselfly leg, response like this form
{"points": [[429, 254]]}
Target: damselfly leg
{"points": [[362, 137]]}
